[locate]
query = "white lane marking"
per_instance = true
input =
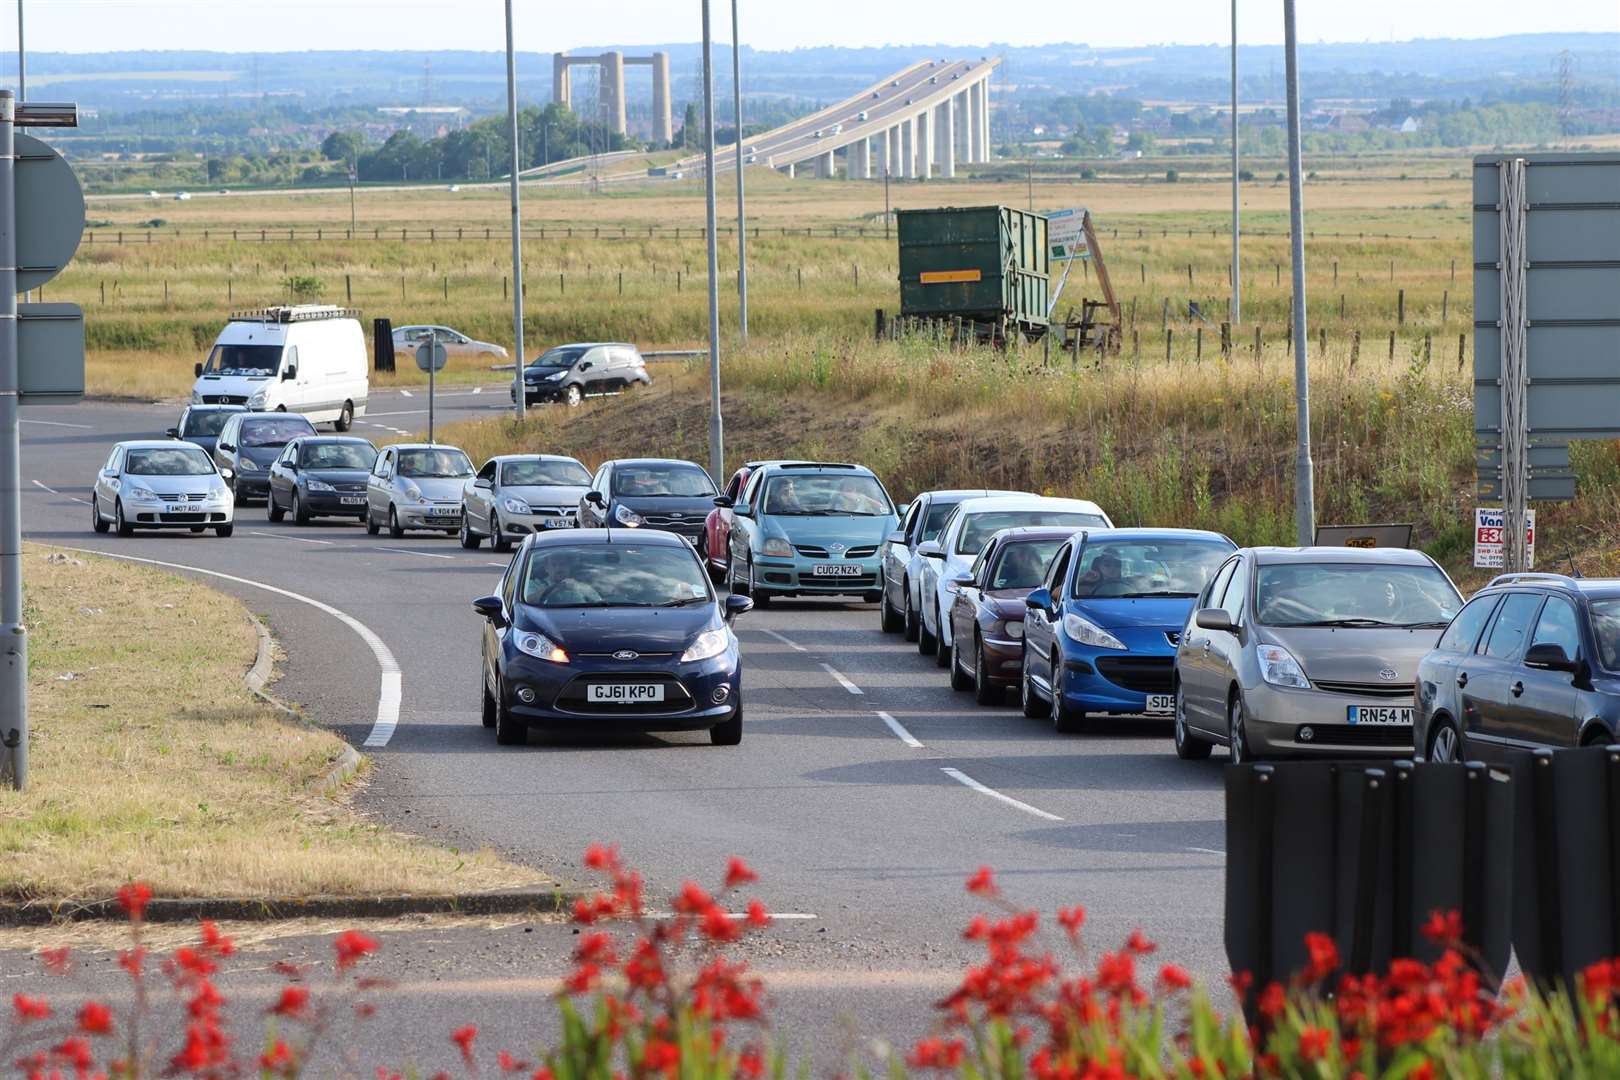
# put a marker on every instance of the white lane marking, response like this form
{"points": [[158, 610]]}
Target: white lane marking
{"points": [[389, 691], [502, 565], [1207, 851], [424, 554], [402, 412], [900, 732], [478, 390], [406, 393], [58, 423], [780, 916], [845, 683], [53, 491], [283, 536], [795, 646], [963, 778]]}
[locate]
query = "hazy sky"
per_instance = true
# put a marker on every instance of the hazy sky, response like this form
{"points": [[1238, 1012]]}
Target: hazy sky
{"points": [[546, 25]]}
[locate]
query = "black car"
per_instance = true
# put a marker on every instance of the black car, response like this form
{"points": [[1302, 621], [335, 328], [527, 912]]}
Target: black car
{"points": [[649, 493], [573, 373], [1532, 660], [321, 476], [248, 444], [611, 631], [201, 424]]}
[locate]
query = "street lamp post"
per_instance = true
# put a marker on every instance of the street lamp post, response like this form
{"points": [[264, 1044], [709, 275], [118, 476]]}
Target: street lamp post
{"points": [[518, 395], [1236, 315], [717, 457], [1304, 487], [742, 243]]}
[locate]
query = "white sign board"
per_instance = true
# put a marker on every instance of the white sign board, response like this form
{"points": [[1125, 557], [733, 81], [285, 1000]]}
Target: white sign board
{"points": [[1488, 535], [1066, 234]]}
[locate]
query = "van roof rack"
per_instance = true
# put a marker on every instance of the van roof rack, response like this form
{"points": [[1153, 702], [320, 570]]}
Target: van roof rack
{"points": [[295, 313], [1530, 576]]}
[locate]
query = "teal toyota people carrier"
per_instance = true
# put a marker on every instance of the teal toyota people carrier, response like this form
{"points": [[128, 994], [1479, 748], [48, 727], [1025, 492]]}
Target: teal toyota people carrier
{"points": [[805, 528]]}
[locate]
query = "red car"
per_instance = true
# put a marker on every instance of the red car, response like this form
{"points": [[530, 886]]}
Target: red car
{"points": [[715, 548]]}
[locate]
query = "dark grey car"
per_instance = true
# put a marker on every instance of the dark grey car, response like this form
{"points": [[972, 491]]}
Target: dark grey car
{"points": [[201, 424]]}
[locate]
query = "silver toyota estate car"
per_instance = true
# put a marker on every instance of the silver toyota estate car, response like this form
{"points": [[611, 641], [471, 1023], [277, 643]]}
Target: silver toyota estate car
{"points": [[1293, 651]]}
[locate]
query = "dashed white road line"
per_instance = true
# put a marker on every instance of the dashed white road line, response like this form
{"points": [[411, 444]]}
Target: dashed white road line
{"points": [[845, 683], [1207, 851], [900, 732], [502, 565], [406, 393], [402, 412], [282, 536], [963, 778], [58, 423], [794, 645], [389, 692], [423, 554]]}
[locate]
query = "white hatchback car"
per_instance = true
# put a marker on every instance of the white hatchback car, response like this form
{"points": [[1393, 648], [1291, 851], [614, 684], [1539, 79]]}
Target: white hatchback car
{"points": [[160, 485], [971, 524]]}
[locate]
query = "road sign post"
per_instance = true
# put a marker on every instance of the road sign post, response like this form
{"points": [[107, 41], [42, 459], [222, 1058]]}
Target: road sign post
{"points": [[431, 357], [34, 246]]}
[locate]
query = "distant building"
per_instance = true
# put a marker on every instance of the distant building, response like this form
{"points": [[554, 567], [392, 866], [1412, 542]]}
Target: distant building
{"points": [[1348, 124], [1408, 125]]}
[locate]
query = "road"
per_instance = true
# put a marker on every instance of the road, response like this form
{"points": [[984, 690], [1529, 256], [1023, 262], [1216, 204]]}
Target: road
{"points": [[864, 791]]}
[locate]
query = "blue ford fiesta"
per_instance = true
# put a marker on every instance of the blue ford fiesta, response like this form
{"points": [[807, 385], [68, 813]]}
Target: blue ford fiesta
{"points": [[1100, 634], [614, 630]]}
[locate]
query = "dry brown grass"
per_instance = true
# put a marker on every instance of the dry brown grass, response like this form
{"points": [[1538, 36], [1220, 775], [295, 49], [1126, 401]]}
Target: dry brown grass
{"points": [[151, 761]]}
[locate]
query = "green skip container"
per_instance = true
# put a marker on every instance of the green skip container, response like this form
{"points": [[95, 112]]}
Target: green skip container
{"points": [[985, 265]]}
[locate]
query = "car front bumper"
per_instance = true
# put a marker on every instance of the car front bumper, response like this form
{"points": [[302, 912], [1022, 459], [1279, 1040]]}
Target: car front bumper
{"points": [[1003, 657], [517, 526], [797, 577], [697, 695], [1285, 722], [330, 504], [159, 515], [1120, 680], [251, 486], [442, 518]]}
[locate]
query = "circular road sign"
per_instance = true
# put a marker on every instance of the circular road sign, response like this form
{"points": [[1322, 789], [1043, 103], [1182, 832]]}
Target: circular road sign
{"points": [[50, 212]]}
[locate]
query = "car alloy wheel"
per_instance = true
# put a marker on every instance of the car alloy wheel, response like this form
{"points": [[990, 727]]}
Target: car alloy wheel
{"points": [[942, 651], [910, 623], [371, 523], [497, 535], [927, 643], [760, 599], [1066, 720], [575, 395], [345, 418], [1188, 746], [1237, 741], [960, 680], [394, 528], [1031, 703], [1443, 743], [271, 509], [97, 522], [985, 692], [300, 512], [124, 527], [468, 538]]}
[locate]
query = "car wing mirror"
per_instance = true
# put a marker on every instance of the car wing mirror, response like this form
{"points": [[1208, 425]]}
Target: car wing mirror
{"points": [[930, 549], [896, 537], [963, 581], [290, 373], [198, 369], [742, 509], [173, 433], [1038, 599], [738, 605], [724, 501], [595, 499], [483, 482], [1214, 619], [1549, 656], [900, 511], [490, 607]]}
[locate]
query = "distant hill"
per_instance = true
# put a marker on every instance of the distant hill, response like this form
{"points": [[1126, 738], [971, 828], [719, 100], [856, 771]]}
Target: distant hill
{"points": [[1451, 68]]}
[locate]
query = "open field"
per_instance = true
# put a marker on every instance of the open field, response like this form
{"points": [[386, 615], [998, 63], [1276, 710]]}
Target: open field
{"points": [[156, 300], [153, 762]]}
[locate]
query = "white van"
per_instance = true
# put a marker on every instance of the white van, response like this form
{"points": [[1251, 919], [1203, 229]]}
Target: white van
{"points": [[309, 358]]}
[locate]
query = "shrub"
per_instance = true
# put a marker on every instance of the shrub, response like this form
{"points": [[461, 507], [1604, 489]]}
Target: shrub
{"points": [[304, 287], [1171, 176]]}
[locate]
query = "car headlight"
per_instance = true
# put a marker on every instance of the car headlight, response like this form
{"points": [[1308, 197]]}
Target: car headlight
{"points": [[138, 492], [626, 516], [775, 545], [218, 494], [247, 465], [413, 493], [539, 647], [258, 397], [556, 376], [1279, 668], [196, 397], [709, 644], [515, 506], [1015, 629], [318, 485], [1087, 632]]}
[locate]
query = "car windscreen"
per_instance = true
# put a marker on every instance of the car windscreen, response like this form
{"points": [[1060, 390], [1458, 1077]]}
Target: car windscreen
{"points": [[243, 360], [206, 421], [561, 356], [169, 461], [434, 464], [826, 493], [938, 511], [344, 455], [1139, 568], [274, 430], [1354, 595], [1606, 628], [544, 473], [646, 481], [1022, 563], [980, 527], [614, 575]]}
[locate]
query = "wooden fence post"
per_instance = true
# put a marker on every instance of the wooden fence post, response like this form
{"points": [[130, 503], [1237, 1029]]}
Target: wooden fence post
{"points": [[1462, 350], [1335, 271], [1136, 343], [1445, 303], [1198, 344], [1355, 348], [104, 292], [1392, 344], [1226, 341], [1400, 307], [562, 285], [1341, 307], [1164, 319], [621, 282], [1169, 337], [1189, 275], [348, 288], [1321, 342]]}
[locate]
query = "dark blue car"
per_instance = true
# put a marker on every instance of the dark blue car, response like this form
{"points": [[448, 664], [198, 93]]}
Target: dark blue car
{"points": [[1100, 634], [610, 629]]}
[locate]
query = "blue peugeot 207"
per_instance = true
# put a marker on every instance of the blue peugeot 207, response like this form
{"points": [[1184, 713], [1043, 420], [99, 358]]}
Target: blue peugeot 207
{"points": [[1100, 634], [610, 629]]}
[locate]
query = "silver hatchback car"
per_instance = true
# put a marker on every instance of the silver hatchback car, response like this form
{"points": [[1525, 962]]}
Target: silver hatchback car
{"points": [[1295, 651], [160, 485], [416, 486]]}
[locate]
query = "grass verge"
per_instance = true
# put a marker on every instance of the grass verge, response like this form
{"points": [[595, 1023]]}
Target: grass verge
{"points": [[150, 760]]}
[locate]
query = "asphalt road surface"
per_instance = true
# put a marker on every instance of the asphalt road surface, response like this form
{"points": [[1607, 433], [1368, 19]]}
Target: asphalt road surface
{"points": [[864, 790]]}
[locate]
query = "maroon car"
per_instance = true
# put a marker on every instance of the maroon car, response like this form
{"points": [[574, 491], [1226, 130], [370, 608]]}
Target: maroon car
{"points": [[987, 616]]}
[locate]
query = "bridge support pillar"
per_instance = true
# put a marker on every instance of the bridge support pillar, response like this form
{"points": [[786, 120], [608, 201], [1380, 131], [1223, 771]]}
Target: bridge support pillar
{"points": [[663, 121], [613, 90], [946, 144], [860, 160], [826, 166], [925, 144], [908, 148]]}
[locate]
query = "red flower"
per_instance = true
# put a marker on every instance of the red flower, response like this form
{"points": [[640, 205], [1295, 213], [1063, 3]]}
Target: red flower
{"points": [[463, 1037], [76, 1052], [757, 915], [55, 960], [1314, 1043], [1139, 944], [508, 1063], [133, 898], [351, 946], [133, 961], [1272, 1001], [279, 1059], [602, 857], [216, 942], [294, 1001], [30, 1008], [1424, 1071], [660, 1055], [95, 1018], [692, 900], [1444, 928], [751, 1063], [1324, 957], [718, 926], [739, 873], [1241, 982], [1172, 977], [983, 882], [1071, 919], [936, 1053], [542, 1073]]}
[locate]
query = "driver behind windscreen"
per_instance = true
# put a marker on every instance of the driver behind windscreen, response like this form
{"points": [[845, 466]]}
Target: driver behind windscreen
{"points": [[1106, 577], [564, 581]]}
